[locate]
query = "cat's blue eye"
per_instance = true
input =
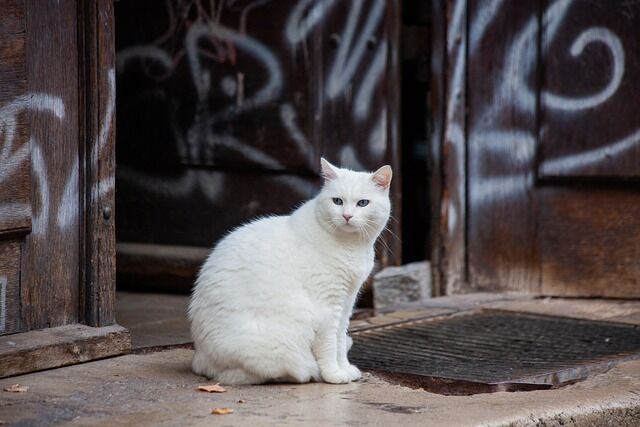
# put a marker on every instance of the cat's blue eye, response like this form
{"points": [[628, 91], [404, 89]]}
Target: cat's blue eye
{"points": [[362, 203], [337, 201]]}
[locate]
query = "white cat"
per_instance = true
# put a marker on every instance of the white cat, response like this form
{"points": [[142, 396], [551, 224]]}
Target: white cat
{"points": [[273, 300]]}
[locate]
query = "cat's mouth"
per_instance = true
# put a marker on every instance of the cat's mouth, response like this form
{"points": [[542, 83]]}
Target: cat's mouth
{"points": [[350, 227]]}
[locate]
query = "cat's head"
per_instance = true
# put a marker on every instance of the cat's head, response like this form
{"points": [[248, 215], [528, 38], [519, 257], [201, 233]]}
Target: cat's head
{"points": [[354, 202]]}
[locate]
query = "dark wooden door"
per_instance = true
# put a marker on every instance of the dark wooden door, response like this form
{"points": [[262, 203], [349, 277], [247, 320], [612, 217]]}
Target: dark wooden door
{"points": [[56, 158], [539, 146], [223, 115]]}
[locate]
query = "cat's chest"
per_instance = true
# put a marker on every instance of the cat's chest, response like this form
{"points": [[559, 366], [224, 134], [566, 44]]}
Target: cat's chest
{"points": [[349, 266]]}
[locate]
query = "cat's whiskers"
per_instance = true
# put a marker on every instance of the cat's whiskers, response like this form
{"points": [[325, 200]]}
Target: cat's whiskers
{"points": [[381, 236]]}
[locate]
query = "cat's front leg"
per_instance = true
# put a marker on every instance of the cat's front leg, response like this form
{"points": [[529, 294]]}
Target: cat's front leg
{"points": [[344, 341], [344, 344], [325, 350]]}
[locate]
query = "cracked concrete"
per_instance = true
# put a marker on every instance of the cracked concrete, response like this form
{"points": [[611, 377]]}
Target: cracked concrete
{"points": [[159, 389]]}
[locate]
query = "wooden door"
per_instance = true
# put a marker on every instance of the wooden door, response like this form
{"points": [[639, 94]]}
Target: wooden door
{"points": [[56, 164], [539, 145], [223, 115]]}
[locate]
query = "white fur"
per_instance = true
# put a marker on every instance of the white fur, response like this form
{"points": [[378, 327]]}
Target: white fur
{"points": [[273, 300]]}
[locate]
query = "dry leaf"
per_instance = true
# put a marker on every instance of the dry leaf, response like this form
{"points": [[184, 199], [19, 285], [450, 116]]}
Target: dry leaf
{"points": [[17, 388], [215, 388], [222, 411]]}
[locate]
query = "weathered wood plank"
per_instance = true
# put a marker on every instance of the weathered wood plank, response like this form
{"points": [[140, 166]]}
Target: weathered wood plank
{"points": [[61, 346], [12, 66], [589, 240], [51, 253], [15, 183], [12, 17], [435, 126], [591, 58], [98, 131], [10, 320], [502, 132], [451, 227]]}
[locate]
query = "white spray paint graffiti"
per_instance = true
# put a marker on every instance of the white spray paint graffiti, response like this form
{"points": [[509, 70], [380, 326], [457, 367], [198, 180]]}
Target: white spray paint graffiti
{"points": [[609, 39], [200, 137], [371, 79], [43, 103], [105, 186], [349, 57], [128, 55], [518, 67], [303, 18]]}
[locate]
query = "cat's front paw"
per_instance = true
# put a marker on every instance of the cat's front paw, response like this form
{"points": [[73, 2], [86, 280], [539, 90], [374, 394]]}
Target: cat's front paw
{"points": [[354, 372], [336, 376]]}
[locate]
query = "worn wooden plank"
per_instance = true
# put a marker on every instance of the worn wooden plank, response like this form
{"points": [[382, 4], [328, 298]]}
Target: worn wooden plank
{"points": [[15, 183], [451, 227], [51, 253], [591, 60], [98, 132], [589, 241], [390, 253], [12, 17], [15, 176], [61, 346], [436, 126], [10, 321], [502, 131], [12, 66]]}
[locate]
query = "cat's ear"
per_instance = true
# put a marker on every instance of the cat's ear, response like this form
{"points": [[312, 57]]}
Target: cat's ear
{"points": [[382, 177], [328, 171]]}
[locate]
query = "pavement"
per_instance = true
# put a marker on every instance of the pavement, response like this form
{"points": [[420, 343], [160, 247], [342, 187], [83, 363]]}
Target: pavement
{"points": [[158, 389], [155, 387]]}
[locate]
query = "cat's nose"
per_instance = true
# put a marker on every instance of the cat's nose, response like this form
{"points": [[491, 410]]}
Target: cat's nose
{"points": [[347, 216]]}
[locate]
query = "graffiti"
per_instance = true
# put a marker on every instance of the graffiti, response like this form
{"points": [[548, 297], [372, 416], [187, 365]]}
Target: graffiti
{"points": [[609, 39], [42, 103], [106, 185], [349, 54], [371, 79], [303, 19], [208, 46], [66, 209], [571, 162], [518, 93]]}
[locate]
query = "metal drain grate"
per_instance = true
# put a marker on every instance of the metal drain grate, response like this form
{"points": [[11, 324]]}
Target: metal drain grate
{"points": [[493, 350]]}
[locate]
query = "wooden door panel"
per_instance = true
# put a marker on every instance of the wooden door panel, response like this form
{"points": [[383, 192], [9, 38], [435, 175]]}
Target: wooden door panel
{"points": [[359, 89], [500, 132], [50, 262], [551, 133], [224, 88], [589, 114], [590, 241], [15, 183]]}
